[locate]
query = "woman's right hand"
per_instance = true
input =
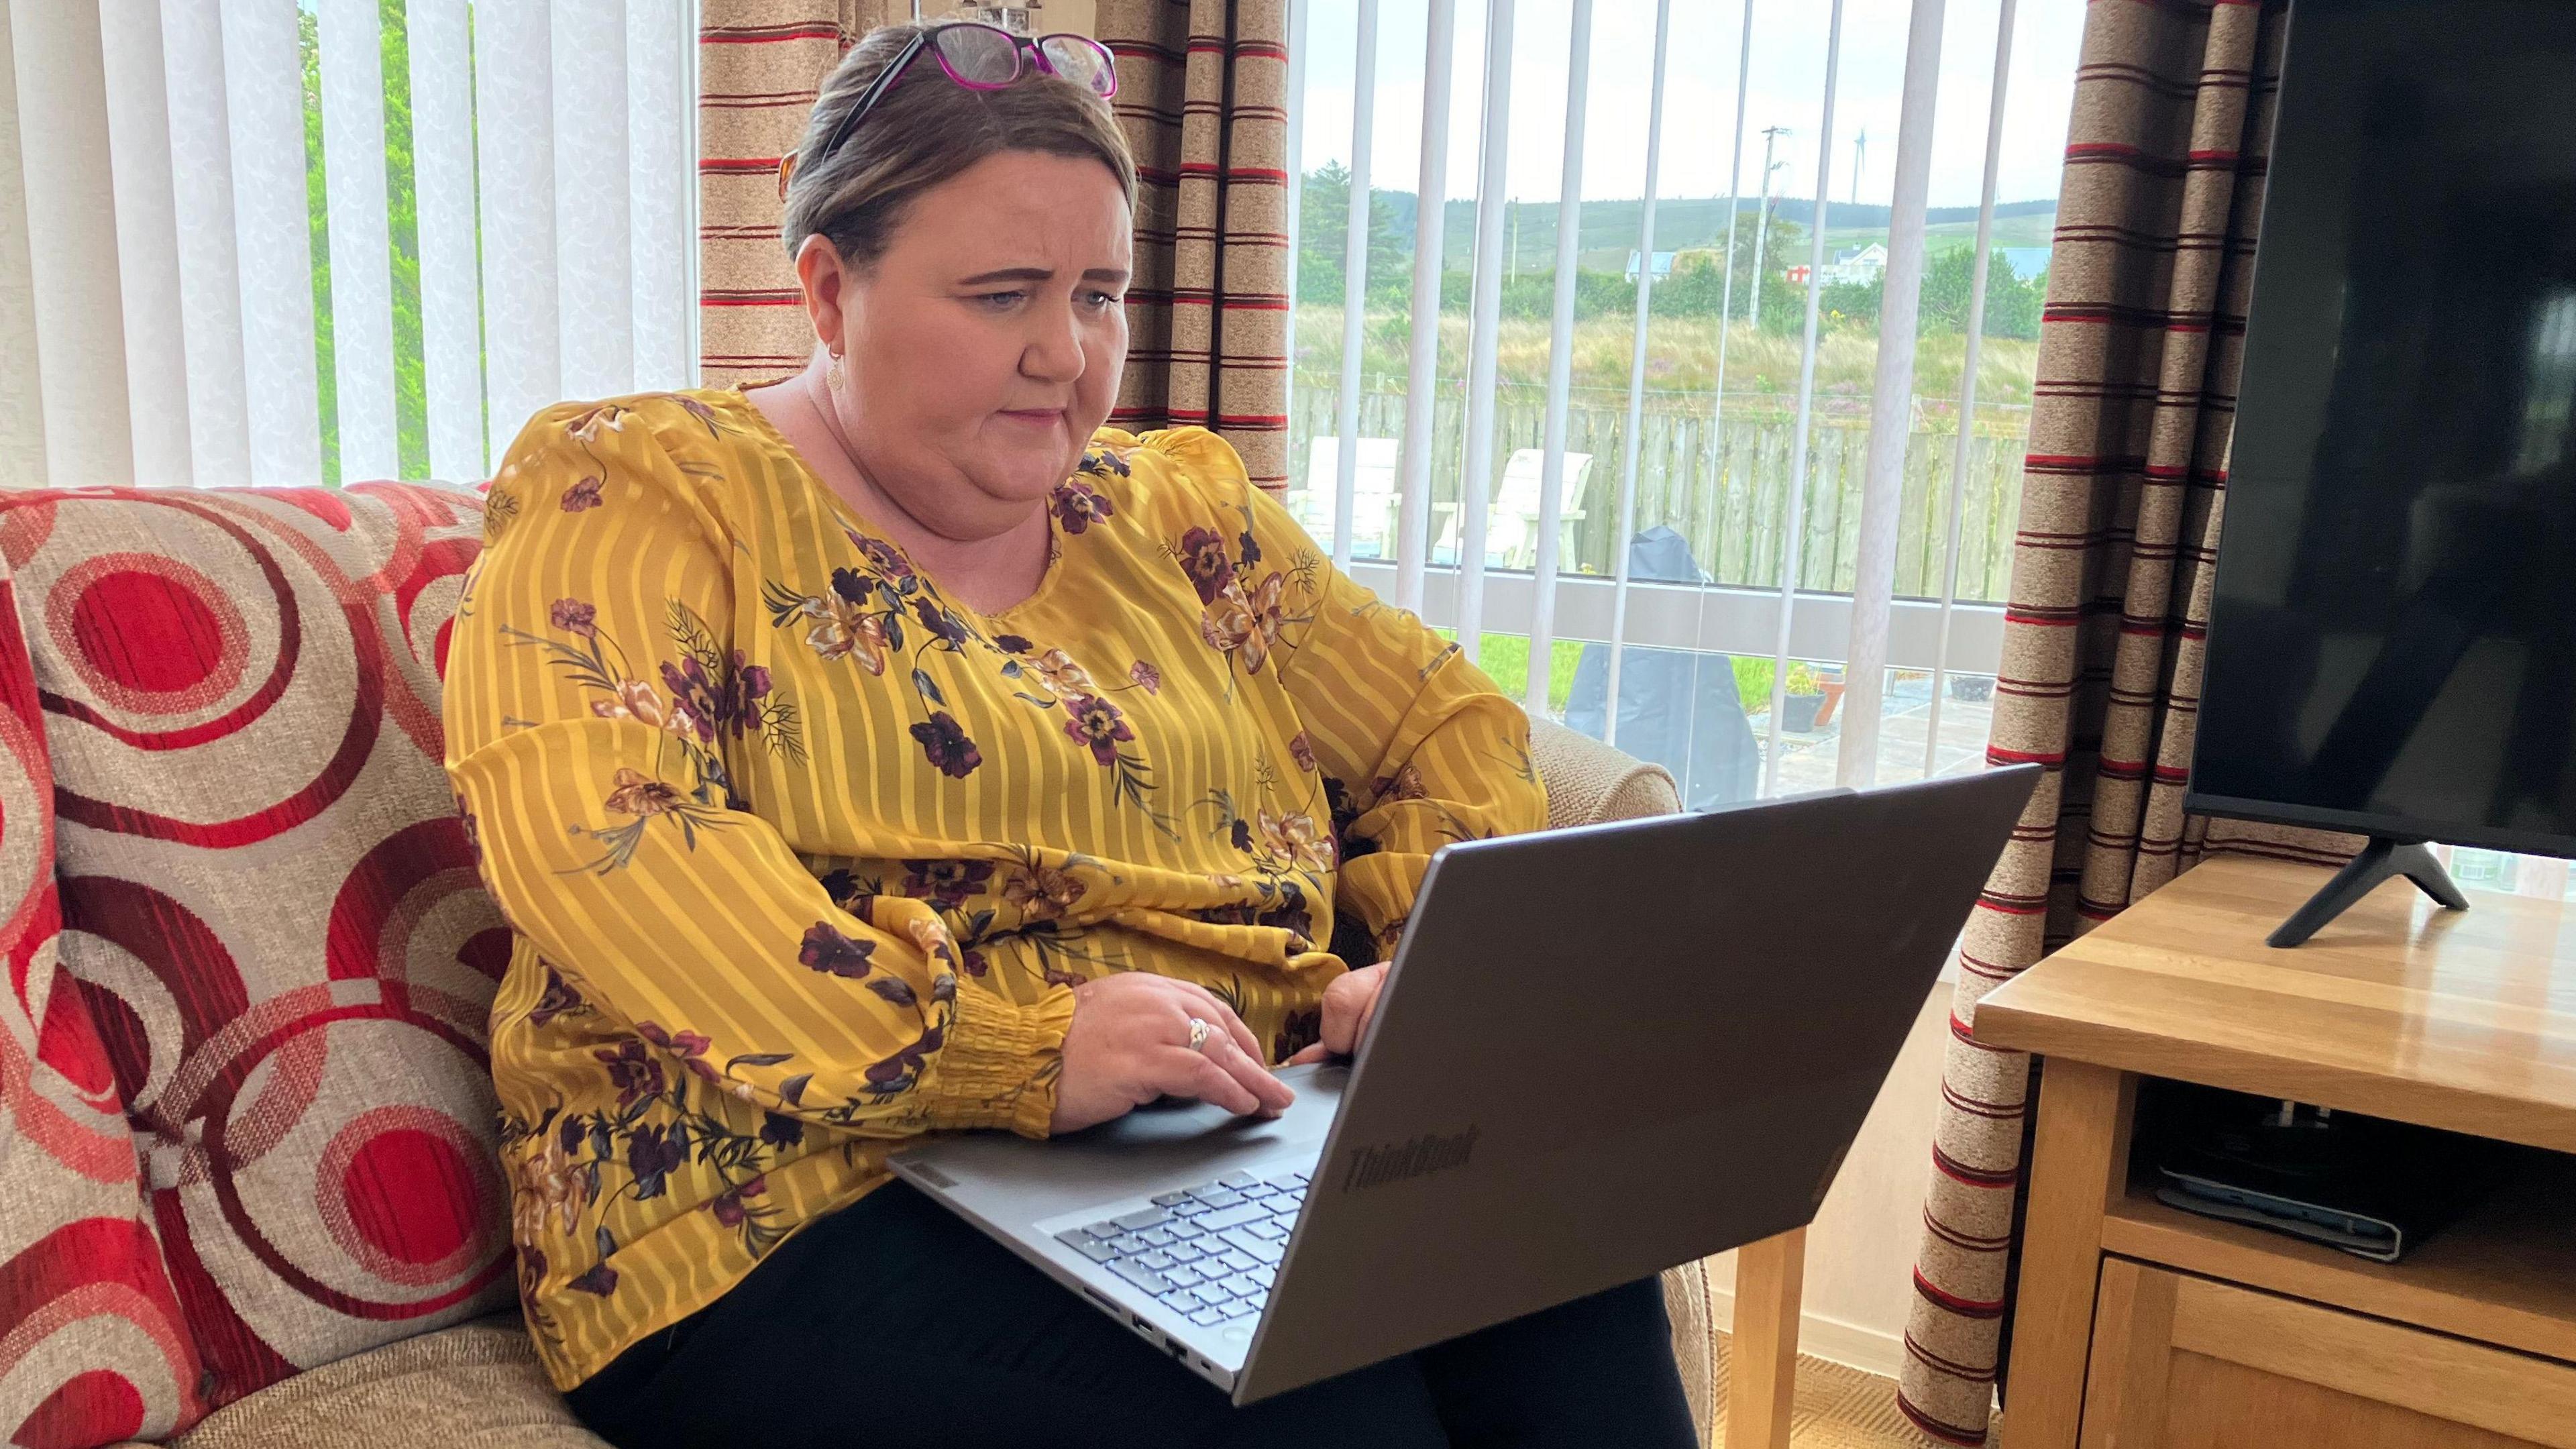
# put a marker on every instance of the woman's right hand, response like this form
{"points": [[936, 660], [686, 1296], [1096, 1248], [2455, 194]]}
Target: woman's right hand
{"points": [[1130, 1043]]}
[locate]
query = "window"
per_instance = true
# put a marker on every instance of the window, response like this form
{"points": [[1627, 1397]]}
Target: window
{"points": [[295, 243], [1611, 470]]}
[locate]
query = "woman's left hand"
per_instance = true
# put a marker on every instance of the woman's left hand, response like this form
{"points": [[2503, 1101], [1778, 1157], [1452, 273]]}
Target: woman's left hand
{"points": [[1348, 1004]]}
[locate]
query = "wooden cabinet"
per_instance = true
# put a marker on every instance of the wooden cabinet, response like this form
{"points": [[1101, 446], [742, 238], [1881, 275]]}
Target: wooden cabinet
{"points": [[2181, 1362], [2139, 1326]]}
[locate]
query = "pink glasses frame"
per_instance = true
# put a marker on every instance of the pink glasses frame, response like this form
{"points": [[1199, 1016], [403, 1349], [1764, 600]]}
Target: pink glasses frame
{"points": [[1025, 51]]}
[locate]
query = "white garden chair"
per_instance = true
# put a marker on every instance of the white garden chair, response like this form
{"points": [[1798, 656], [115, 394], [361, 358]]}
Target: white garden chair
{"points": [[1511, 527], [1373, 496]]}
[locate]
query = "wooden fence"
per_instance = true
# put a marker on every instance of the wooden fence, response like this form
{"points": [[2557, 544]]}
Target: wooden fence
{"points": [[1723, 487]]}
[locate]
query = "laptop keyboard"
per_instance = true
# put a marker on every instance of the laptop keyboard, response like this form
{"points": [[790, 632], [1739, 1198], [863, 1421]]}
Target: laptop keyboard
{"points": [[1206, 1253]]}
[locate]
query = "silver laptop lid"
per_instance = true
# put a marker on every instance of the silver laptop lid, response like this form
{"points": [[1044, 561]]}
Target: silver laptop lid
{"points": [[1624, 1047]]}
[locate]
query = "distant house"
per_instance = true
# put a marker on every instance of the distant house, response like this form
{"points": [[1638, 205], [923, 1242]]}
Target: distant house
{"points": [[1859, 264], [1663, 265]]}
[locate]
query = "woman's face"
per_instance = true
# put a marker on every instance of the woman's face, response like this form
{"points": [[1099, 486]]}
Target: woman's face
{"points": [[984, 346]]}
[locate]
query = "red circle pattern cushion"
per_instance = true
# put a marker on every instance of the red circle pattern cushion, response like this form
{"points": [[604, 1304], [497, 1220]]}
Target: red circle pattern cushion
{"points": [[93, 1347], [270, 908]]}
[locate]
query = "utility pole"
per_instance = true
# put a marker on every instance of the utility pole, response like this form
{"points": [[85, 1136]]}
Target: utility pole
{"points": [[1762, 224]]}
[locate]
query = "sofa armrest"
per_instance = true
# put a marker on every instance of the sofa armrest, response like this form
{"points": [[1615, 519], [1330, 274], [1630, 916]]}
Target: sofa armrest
{"points": [[1588, 782]]}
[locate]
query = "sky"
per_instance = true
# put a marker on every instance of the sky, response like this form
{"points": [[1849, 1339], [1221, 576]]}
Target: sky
{"points": [[1787, 89]]}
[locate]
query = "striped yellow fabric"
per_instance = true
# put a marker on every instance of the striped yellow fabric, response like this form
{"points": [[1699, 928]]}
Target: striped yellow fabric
{"points": [[804, 858]]}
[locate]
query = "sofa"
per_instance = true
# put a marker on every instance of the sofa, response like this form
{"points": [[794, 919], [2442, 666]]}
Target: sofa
{"points": [[248, 1194]]}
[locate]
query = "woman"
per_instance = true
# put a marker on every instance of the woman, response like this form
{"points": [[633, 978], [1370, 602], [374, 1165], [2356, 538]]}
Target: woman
{"points": [[892, 750]]}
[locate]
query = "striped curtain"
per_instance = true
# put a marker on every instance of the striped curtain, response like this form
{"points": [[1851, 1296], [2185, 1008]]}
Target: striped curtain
{"points": [[2140, 349], [1202, 91], [759, 65]]}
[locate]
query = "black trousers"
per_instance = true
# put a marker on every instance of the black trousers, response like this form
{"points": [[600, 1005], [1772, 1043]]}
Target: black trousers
{"points": [[892, 1322]]}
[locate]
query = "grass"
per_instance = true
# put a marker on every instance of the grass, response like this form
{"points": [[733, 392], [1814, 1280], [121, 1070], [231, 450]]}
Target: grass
{"points": [[1505, 660], [1681, 356]]}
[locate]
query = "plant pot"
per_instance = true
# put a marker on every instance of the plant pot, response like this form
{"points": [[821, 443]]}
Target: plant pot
{"points": [[1833, 697], [1974, 688], [1798, 713]]}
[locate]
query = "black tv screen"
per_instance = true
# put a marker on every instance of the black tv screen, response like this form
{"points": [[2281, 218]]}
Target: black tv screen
{"points": [[2392, 645]]}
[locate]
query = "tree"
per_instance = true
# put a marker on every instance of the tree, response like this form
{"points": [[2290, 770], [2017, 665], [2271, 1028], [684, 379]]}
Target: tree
{"points": [[1784, 304], [1853, 306], [1531, 296], [1323, 237], [2012, 304], [402, 214], [1697, 288], [318, 229]]}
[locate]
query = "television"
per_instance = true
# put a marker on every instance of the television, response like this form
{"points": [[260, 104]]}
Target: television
{"points": [[2392, 642]]}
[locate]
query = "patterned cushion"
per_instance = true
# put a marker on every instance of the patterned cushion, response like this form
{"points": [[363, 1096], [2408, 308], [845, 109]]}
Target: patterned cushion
{"points": [[92, 1348], [269, 903]]}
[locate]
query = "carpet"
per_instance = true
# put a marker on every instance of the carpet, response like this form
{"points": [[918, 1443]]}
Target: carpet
{"points": [[1838, 1408]]}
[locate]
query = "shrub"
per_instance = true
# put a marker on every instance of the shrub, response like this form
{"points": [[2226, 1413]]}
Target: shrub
{"points": [[1753, 683]]}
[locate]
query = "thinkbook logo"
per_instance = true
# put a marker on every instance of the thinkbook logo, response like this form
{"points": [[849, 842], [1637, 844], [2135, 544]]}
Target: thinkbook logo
{"points": [[1396, 1161]]}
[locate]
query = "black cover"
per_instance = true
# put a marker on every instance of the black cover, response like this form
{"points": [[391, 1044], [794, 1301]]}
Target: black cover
{"points": [[1678, 708]]}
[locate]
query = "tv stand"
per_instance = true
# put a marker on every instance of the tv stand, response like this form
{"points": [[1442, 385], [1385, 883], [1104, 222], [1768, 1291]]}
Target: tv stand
{"points": [[2382, 858], [2151, 1328]]}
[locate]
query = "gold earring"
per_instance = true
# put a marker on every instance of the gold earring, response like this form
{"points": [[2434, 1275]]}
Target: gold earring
{"points": [[832, 374]]}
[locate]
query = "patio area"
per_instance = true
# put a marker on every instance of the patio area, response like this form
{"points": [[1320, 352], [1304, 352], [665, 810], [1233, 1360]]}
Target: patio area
{"points": [[1808, 761]]}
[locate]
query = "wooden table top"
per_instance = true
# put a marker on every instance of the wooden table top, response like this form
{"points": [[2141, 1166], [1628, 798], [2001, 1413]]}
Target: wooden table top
{"points": [[2457, 1019]]}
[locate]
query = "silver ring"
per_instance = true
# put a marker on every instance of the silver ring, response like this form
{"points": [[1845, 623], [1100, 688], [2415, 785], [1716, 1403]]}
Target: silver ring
{"points": [[1199, 1033]]}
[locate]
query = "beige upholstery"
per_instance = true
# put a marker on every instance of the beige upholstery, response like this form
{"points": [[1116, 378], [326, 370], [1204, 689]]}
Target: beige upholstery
{"points": [[477, 1386], [1589, 782], [474, 1386]]}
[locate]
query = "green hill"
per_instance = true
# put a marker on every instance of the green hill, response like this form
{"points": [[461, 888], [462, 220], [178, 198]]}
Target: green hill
{"points": [[1681, 223]]}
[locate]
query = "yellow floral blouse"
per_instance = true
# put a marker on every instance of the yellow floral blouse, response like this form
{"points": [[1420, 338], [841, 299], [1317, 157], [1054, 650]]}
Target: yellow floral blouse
{"points": [[803, 858]]}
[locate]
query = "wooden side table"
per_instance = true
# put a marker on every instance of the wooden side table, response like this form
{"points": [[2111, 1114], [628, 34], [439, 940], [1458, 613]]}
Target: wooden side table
{"points": [[1762, 1347], [2138, 1326]]}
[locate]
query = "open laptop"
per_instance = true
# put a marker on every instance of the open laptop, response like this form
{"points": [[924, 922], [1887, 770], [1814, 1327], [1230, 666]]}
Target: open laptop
{"points": [[1600, 1052]]}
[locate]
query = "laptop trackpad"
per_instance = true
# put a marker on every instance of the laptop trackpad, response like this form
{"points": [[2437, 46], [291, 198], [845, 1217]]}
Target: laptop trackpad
{"points": [[996, 1177], [1185, 1126], [1163, 1120]]}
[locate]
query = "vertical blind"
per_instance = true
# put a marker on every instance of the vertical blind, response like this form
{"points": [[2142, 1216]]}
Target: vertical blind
{"points": [[263, 242], [1439, 565]]}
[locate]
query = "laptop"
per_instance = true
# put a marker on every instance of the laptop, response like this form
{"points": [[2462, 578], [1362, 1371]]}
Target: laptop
{"points": [[1600, 1052]]}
